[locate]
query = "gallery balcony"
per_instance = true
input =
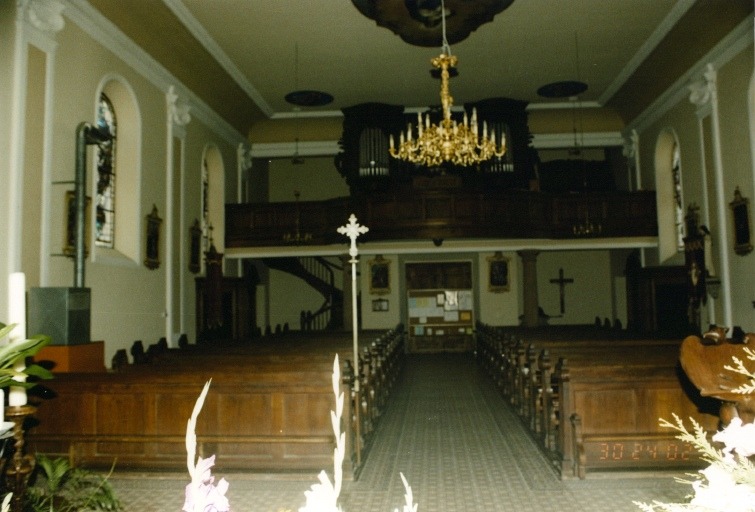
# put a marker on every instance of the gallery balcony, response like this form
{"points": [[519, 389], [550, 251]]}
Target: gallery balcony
{"points": [[445, 215]]}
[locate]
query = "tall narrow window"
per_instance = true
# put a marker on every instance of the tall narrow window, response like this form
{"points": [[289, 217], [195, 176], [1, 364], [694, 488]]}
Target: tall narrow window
{"points": [[676, 173], [205, 201], [105, 201]]}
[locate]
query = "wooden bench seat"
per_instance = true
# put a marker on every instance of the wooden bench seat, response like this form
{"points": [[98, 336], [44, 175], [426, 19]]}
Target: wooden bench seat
{"points": [[264, 411], [583, 398]]}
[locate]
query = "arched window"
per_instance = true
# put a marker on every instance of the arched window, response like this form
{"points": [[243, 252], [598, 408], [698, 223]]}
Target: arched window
{"points": [[205, 199], [116, 216], [213, 196], [676, 173], [106, 167], [669, 195]]}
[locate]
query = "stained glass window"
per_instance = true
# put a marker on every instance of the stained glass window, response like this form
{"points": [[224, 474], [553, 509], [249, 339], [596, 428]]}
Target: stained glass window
{"points": [[105, 201], [676, 172], [205, 199]]}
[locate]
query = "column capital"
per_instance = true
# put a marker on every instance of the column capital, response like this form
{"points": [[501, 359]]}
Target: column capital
{"points": [[528, 254], [703, 90], [178, 110], [44, 15], [631, 144], [245, 155]]}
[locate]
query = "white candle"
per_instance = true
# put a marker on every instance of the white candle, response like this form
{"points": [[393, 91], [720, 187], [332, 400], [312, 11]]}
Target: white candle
{"points": [[17, 315], [17, 305], [2, 406], [17, 394]]}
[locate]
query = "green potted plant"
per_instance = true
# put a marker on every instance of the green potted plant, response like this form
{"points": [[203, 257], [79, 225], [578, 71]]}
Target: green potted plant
{"points": [[59, 487], [11, 352]]}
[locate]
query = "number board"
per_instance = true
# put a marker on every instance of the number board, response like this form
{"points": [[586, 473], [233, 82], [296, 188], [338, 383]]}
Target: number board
{"points": [[641, 452]]}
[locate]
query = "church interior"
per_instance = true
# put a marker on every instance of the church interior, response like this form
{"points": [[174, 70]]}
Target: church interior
{"points": [[523, 227]]}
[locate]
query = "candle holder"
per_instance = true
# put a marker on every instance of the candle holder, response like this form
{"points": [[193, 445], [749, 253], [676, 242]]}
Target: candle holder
{"points": [[18, 468]]}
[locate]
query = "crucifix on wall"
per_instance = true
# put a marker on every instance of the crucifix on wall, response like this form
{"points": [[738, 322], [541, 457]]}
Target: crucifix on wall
{"points": [[562, 282]]}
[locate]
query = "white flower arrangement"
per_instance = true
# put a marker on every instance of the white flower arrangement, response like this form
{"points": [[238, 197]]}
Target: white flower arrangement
{"points": [[201, 493], [203, 496], [323, 497], [728, 483]]}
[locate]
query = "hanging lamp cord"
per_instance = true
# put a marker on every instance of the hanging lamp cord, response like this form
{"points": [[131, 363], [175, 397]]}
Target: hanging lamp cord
{"points": [[445, 47]]}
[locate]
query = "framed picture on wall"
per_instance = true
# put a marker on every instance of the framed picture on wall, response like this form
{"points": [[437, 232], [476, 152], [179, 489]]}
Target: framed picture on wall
{"points": [[69, 231], [380, 276], [380, 305], [498, 273], [152, 257], [195, 247], [740, 209]]}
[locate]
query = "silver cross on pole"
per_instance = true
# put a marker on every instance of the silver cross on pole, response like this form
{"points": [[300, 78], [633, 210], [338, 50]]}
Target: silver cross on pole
{"points": [[353, 230]]}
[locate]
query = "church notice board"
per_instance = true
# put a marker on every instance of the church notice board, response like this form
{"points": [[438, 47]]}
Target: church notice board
{"points": [[440, 320]]}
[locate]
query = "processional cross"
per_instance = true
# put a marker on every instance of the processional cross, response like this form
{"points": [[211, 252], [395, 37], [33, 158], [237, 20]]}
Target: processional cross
{"points": [[562, 282], [353, 230]]}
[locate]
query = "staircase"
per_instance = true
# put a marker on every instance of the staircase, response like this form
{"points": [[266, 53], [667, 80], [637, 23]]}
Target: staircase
{"points": [[318, 273]]}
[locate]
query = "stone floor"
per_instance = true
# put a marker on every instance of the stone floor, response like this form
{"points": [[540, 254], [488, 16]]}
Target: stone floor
{"points": [[458, 444]]}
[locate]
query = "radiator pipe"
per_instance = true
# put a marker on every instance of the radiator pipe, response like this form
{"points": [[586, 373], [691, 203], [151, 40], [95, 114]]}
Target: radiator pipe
{"points": [[86, 135]]}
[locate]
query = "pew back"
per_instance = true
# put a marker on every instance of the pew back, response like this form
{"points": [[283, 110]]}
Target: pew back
{"points": [[595, 402]]}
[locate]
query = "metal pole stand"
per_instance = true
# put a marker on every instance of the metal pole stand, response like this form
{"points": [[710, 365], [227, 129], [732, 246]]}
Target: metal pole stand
{"points": [[19, 467]]}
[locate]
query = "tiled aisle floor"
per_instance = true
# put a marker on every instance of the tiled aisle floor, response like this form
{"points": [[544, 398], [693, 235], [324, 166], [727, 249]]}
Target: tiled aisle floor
{"points": [[457, 443]]}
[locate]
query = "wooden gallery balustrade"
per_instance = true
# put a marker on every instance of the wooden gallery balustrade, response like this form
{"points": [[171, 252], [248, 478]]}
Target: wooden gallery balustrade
{"points": [[448, 214]]}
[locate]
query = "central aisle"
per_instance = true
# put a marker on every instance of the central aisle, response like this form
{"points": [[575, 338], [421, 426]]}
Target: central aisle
{"points": [[461, 448], [456, 441]]}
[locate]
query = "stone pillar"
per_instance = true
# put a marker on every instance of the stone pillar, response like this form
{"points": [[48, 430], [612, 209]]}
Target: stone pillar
{"points": [[529, 286], [347, 320]]}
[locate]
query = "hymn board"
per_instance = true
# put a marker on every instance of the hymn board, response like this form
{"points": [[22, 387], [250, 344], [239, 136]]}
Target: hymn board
{"points": [[440, 306]]}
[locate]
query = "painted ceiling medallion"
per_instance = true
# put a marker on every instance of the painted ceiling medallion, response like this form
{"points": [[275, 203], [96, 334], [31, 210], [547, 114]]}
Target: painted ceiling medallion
{"points": [[564, 89], [309, 98], [418, 22]]}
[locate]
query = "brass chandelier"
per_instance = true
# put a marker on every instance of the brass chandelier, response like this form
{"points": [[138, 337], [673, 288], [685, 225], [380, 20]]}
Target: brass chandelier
{"points": [[449, 141]]}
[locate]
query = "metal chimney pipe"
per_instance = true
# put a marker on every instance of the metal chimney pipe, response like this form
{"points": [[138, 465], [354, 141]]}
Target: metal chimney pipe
{"points": [[86, 134], [80, 181]]}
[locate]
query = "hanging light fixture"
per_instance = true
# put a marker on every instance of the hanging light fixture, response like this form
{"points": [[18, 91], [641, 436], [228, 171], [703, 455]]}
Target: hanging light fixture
{"points": [[448, 141]]}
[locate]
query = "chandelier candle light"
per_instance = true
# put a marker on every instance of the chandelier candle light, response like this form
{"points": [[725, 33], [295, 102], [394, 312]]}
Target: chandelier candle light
{"points": [[17, 315], [449, 141]]}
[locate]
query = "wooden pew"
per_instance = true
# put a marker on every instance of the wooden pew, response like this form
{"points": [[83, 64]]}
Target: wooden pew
{"points": [[610, 418], [594, 404], [266, 410]]}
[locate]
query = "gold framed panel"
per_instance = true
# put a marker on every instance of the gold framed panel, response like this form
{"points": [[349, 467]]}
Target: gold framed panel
{"points": [[498, 273], [380, 276], [740, 209], [195, 247], [152, 256]]}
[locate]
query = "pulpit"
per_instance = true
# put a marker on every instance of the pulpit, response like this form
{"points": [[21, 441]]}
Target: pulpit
{"points": [[225, 305], [236, 307]]}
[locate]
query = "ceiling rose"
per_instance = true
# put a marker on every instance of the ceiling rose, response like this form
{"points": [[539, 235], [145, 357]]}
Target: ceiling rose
{"points": [[309, 98], [418, 22], [564, 89]]}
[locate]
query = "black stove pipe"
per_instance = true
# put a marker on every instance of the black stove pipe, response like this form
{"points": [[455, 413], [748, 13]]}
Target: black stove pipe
{"points": [[86, 135]]}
